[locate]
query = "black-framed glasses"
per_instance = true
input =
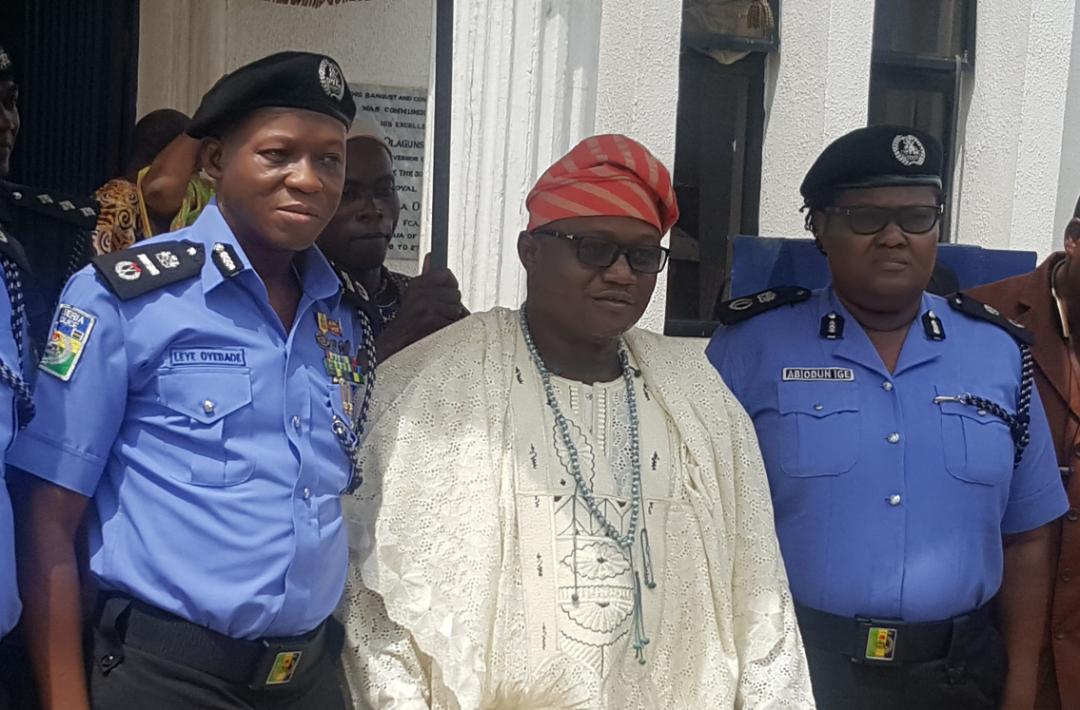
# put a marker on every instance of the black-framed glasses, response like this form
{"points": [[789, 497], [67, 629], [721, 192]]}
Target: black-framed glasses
{"points": [[912, 219], [602, 253]]}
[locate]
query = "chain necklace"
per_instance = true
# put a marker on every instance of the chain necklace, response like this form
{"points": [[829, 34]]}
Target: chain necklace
{"points": [[625, 542]]}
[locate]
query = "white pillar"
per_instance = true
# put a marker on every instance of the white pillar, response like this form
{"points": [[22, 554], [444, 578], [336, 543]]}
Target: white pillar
{"points": [[817, 90], [637, 90], [524, 94]]}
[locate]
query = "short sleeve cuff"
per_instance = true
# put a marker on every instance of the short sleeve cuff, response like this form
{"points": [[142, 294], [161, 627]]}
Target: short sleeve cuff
{"points": [[56, 462], [1035, 510]]}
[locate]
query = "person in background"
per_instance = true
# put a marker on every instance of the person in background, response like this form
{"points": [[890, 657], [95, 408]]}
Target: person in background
{"points": [[197, 393], [120, 221], [174, 187], [402, 310], [565, 510], [55, 228], [16, 407], [1047, 302], [902, 438]]}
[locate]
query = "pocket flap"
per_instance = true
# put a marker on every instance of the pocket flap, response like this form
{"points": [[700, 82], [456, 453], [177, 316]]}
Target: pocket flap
{"points": [[817, 399], [205, 396]]}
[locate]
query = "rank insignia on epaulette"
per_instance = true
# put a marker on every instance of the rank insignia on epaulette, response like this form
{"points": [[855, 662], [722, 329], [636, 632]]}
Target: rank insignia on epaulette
{"points": [[739, 309], [226, 260], [976, 309], [132, 272]]}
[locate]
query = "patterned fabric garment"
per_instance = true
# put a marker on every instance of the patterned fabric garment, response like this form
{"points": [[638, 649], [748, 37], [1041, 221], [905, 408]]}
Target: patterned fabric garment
{"points": [[119, 223], [468, 538]]}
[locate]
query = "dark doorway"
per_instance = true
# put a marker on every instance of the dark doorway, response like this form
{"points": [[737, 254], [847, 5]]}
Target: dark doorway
{"points": [[77, 66]]}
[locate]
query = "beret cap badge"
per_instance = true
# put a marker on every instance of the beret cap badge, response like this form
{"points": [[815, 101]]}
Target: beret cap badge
{"points": [[5, 60], [331, 79], [908, 150]]}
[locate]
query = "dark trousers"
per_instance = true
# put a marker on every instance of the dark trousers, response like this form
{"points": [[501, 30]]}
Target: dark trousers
{"points": [[970, 676], [17, 688], [123, 677]]}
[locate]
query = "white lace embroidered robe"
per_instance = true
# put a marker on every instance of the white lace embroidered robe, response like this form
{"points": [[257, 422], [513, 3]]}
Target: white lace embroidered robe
{"points": [[464, 526]]}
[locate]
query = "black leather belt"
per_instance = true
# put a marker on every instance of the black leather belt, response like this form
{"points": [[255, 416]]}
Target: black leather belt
{"points": [[885, 642], [262, 663]]}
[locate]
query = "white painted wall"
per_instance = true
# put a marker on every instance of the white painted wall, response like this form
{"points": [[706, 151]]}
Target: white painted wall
{"points": [[1069, 174], [1014, 132], [186, 45], [817, 91]]}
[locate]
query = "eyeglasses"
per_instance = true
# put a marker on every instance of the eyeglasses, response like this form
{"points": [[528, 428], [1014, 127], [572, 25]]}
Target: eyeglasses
{"points": [[602, 253], [912, 219]]}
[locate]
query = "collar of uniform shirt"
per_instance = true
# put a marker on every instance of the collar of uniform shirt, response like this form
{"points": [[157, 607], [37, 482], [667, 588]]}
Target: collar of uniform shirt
{"points": [[317, 278], [1062, 309]]}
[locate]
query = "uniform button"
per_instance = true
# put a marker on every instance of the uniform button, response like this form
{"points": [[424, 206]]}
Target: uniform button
{"points": [[296, 422], [208, 406], [818, 407], [893, 438], [1076, 451], [1066, 574], [307, 493], [1073, 515], [887, 386], [1059, 634], [894, 499], [982, 412]]}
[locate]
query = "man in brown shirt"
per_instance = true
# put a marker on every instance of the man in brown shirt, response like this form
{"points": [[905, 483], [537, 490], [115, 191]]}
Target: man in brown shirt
{"points": [[1047, 302]]}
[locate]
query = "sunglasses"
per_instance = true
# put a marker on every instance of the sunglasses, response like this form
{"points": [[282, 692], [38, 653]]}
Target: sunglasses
{"points": [[602, 253], [912, 219]]}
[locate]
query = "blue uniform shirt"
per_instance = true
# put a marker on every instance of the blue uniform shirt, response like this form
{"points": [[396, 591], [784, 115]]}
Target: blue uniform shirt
{"points": [[202, 430], [9, 593], [887, 504]]}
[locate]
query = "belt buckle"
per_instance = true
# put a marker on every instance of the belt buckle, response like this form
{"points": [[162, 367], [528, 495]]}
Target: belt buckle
{"points": [[278, 666], [876, 642], [284, 667]]}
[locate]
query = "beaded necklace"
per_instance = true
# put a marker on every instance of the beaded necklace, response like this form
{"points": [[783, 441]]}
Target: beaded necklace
{"points": [[625, 542]]}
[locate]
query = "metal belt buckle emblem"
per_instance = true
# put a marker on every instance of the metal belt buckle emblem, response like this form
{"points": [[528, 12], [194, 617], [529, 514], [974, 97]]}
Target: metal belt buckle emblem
{"points": [[880, 644], [285, 665]]}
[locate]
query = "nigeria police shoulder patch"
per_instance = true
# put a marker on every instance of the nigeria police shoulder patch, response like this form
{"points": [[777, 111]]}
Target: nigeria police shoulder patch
{"points": [[67, 341], [739, 309]]}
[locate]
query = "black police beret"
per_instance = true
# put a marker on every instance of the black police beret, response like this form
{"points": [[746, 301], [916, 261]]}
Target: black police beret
{"points": [[7, 68], [876, 156], [283, 80]]}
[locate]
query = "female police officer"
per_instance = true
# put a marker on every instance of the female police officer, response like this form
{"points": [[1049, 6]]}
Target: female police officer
{"points": [[889, 420], [197, 389]]}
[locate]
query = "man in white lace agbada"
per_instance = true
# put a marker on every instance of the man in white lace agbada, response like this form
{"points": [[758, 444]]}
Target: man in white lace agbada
{"points": [[562, 510]]}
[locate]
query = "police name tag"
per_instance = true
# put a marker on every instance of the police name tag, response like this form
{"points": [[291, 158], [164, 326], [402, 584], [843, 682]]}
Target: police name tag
{"points": [[67, 341], [818, 374], [228, 357]]}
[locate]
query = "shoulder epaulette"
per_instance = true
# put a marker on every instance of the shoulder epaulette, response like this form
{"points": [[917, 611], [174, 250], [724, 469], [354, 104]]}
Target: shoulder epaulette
{"points": [[140, 269], [79, 211], [739, 309], [978, 309], [12, 249]]}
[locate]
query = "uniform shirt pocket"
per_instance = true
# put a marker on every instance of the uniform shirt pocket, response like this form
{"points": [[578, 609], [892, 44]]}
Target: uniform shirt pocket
{"points": [[819, 427], [977, 446], [210, 410]]}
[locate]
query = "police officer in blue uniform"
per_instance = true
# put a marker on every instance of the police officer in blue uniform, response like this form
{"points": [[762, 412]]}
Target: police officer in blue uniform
{"points": [[16, 407], [903, 439], [60, 224], [196, 393]]}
